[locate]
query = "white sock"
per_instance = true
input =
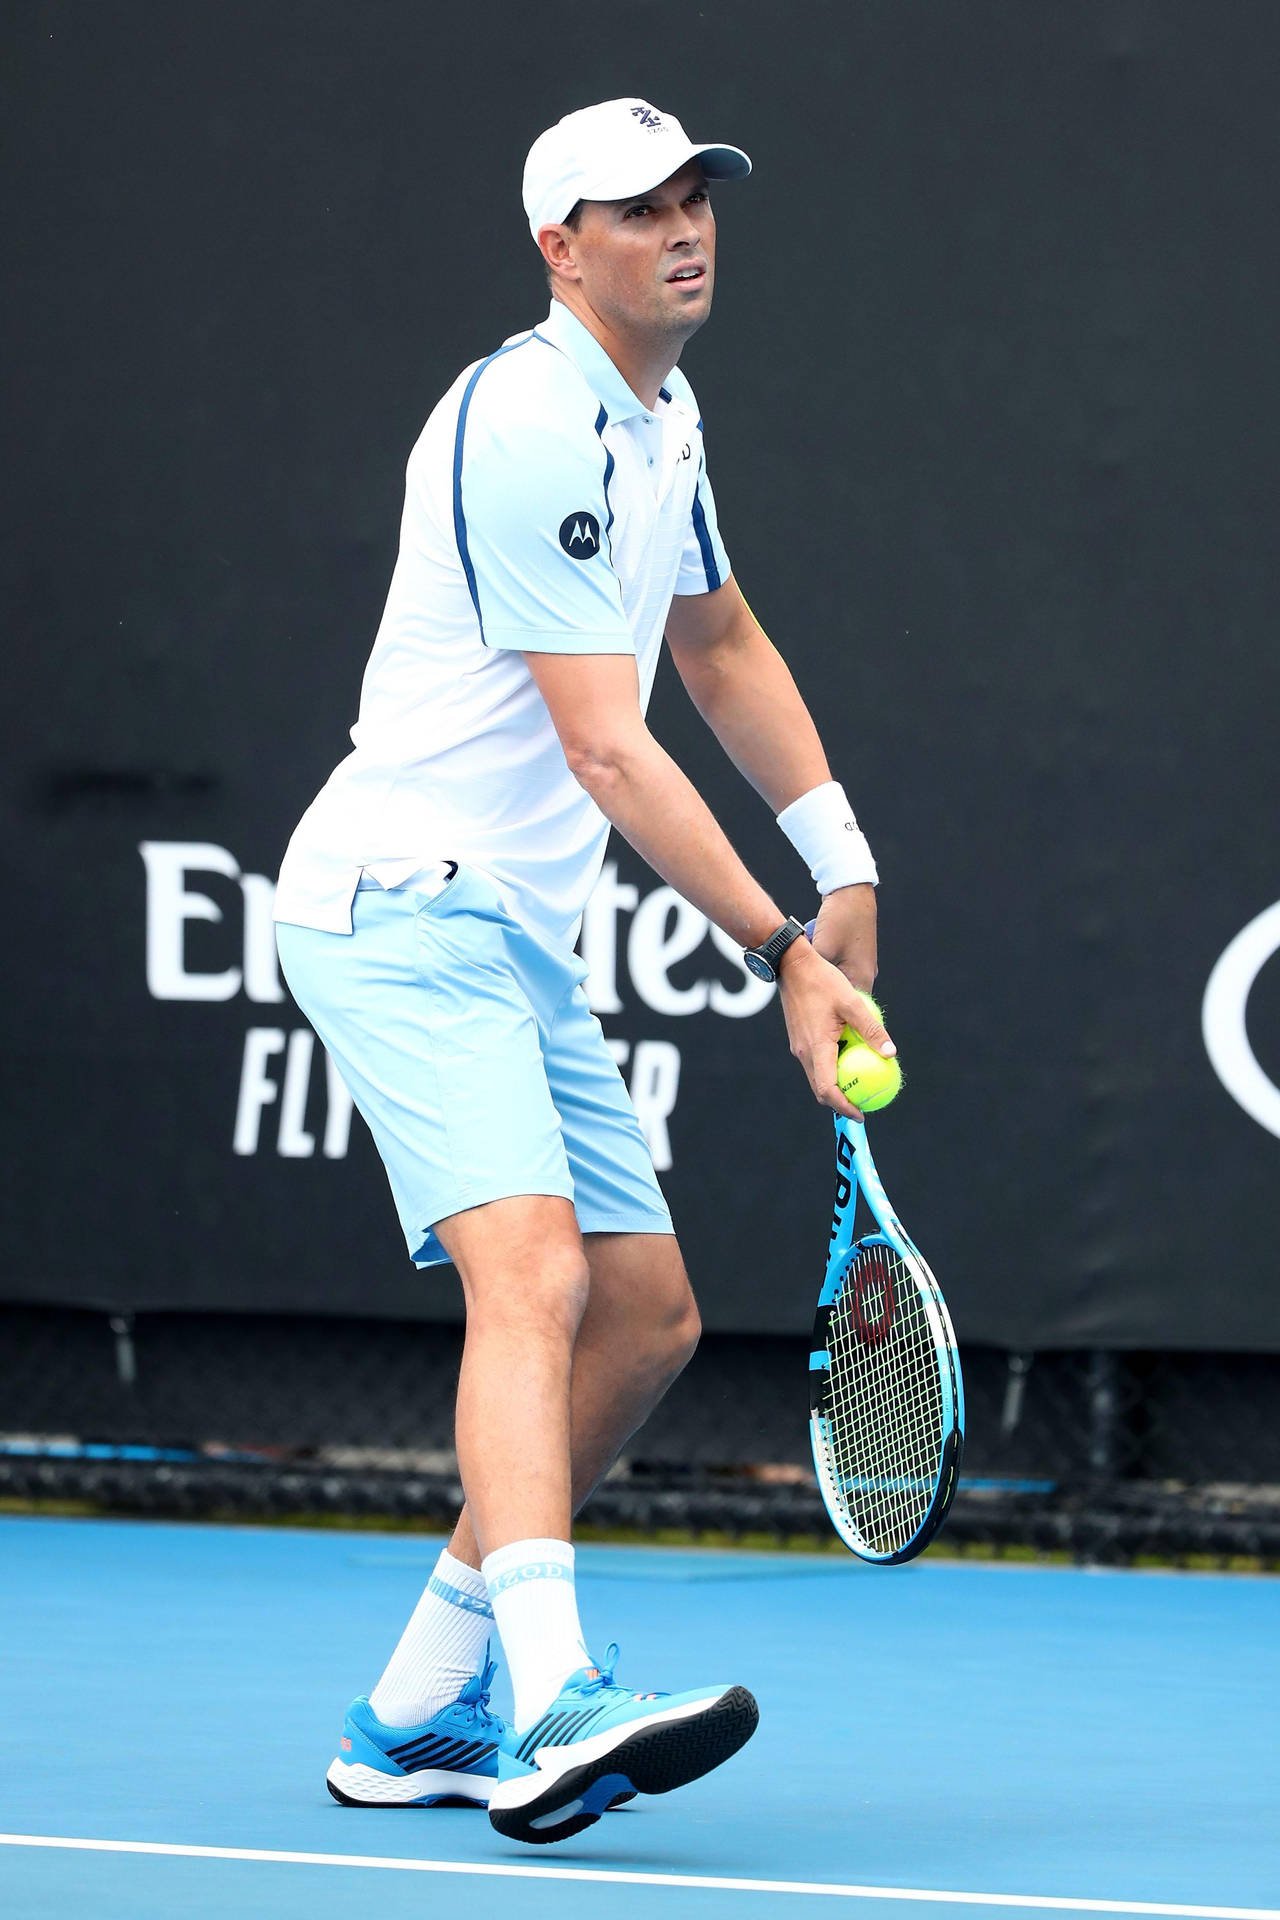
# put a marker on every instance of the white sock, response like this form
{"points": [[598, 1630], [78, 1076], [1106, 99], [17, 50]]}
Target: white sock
{"points": [[441, 1648], [535, 1610]]}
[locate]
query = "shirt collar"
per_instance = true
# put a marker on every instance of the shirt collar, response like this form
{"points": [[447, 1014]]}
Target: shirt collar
{"points": [[564, 330]]}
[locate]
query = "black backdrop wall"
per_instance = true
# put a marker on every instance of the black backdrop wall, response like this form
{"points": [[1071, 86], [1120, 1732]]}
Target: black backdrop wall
{"points": [[993, 418]]}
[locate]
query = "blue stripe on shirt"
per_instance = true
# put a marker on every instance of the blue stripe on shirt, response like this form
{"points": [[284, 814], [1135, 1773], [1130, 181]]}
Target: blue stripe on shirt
{"points": [[459, 517], [602, 421], [704, 538]]}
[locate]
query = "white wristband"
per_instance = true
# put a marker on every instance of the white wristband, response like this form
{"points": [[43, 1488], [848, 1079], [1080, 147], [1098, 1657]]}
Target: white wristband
{"points": [[821, 827]]}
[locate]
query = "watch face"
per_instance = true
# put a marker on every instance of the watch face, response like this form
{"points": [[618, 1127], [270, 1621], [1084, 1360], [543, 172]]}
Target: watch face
{"points": [[759, 965]]}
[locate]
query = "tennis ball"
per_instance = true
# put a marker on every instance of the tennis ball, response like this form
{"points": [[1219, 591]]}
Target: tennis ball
{"points": [[866, 1078]]}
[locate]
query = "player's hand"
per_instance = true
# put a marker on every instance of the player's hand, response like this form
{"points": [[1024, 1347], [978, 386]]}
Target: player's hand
{"points": [[818, 1004], [845, 935]]}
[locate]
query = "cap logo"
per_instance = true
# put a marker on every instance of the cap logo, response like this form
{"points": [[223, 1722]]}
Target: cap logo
{"points": [[647, 118], [580, 536]]}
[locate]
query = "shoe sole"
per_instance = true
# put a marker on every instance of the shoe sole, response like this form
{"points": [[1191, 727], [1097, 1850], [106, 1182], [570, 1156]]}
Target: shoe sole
{"points": [[354, 1785], [357, 1786], [648, 1759]]}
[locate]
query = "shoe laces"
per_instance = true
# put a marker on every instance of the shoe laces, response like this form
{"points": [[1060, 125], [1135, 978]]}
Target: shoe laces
{"points": [[603, 1680], [476, 1696]]}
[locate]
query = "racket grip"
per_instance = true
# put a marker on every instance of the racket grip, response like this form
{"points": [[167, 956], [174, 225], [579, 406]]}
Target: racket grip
{"points": [[809, 926]]}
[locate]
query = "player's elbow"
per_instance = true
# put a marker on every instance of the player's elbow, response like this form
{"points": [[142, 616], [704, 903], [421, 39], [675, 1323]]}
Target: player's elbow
{"points": [[604, 762]]}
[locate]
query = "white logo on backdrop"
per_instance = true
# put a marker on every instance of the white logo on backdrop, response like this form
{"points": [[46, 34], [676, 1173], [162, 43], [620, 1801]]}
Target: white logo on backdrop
{"points": [[281, 1069], [171, 903], [1223, 1019]]}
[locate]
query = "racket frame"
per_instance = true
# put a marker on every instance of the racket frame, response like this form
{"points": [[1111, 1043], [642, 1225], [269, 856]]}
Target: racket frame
{"points": [[856, 1172]]}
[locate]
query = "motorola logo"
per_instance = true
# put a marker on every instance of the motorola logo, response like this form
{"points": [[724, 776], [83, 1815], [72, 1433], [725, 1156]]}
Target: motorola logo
{"points": [[580, 536], [1223, 1019]]}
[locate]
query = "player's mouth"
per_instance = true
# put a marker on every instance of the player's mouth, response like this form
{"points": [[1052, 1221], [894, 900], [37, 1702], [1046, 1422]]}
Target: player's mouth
{"points": [[690, 273]]}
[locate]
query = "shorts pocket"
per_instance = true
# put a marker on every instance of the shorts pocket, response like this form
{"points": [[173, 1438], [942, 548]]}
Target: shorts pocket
{"points": [[427, 901], [470, 892]]}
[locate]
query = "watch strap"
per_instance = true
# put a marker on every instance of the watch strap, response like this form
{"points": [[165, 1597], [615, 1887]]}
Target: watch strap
{"points": [[770, 951]]}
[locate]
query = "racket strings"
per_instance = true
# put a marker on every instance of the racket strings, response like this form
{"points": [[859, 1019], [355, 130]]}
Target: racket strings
{"points": [[883, 1410]]}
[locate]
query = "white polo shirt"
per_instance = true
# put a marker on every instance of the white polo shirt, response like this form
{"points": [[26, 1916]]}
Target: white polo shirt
{"points": [[547, 510]]}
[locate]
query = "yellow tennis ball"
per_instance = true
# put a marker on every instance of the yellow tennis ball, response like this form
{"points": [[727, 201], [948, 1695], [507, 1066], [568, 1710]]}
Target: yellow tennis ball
{"points": [[866, 1078]]}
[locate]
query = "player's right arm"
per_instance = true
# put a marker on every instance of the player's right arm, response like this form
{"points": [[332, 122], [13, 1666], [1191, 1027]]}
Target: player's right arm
{"points": [[594, 703]]}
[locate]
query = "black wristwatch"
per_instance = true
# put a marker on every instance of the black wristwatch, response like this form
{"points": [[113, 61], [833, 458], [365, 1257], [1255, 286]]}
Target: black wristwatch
{"points": [[763, 960]]}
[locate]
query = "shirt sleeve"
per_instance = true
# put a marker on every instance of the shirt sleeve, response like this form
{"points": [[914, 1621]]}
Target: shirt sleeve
{"points": [[704, 564], [531, 513]]}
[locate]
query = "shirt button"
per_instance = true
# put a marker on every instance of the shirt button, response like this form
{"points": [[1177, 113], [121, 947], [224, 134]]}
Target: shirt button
{"points": [[650, 459]]}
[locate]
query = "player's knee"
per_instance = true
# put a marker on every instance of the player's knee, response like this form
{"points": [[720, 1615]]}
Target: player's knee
{"points": [[677, 1330], [686, 1333], [552, 1291], [544, 1291]]}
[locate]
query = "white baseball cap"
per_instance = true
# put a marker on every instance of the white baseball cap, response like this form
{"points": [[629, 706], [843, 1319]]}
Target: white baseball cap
{"points": [[611, 151]]}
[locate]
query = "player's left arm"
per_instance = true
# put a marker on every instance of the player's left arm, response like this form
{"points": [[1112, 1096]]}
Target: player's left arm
{"points": [[743, 688]]}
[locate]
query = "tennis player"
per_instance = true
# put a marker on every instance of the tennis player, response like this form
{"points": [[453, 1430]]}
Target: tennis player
{"points": [[558, 521]]}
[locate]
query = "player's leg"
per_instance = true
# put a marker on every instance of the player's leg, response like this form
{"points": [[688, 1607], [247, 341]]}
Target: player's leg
{"points": [[577, 1742], [641, 1323], [561, 1358], [426, 1010], [425, 1731], [639, 1331], [639, 1304], [595, 1740], [525, 1279]]}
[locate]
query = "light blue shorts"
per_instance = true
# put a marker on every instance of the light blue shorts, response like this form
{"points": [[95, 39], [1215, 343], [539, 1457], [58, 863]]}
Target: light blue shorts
{"points": [[471, 1051]]}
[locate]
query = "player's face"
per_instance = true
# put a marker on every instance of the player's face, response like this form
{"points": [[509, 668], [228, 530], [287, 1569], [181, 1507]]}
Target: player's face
{"points": [[649, 263]]}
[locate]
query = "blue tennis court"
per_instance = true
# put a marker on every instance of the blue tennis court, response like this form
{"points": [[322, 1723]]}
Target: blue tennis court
{"points": [[1010, 1738]]}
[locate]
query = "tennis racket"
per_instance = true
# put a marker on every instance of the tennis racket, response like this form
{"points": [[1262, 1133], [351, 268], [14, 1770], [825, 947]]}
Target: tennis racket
{"points": [[886, 1396]]}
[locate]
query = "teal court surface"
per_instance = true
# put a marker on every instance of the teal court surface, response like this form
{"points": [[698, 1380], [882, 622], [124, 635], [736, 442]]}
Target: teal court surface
{"points": [[934, 1738]]}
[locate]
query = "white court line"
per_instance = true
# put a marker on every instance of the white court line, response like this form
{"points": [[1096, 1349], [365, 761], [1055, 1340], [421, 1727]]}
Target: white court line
{"points": [[714, 1883]]}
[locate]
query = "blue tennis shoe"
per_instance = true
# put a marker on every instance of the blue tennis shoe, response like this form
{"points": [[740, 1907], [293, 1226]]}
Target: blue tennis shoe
{"points": [[598, 1742], [451, 1760]]}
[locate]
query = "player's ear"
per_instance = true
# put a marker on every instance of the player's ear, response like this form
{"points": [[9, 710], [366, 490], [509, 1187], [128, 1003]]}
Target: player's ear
{"points": [[557, 245]]}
